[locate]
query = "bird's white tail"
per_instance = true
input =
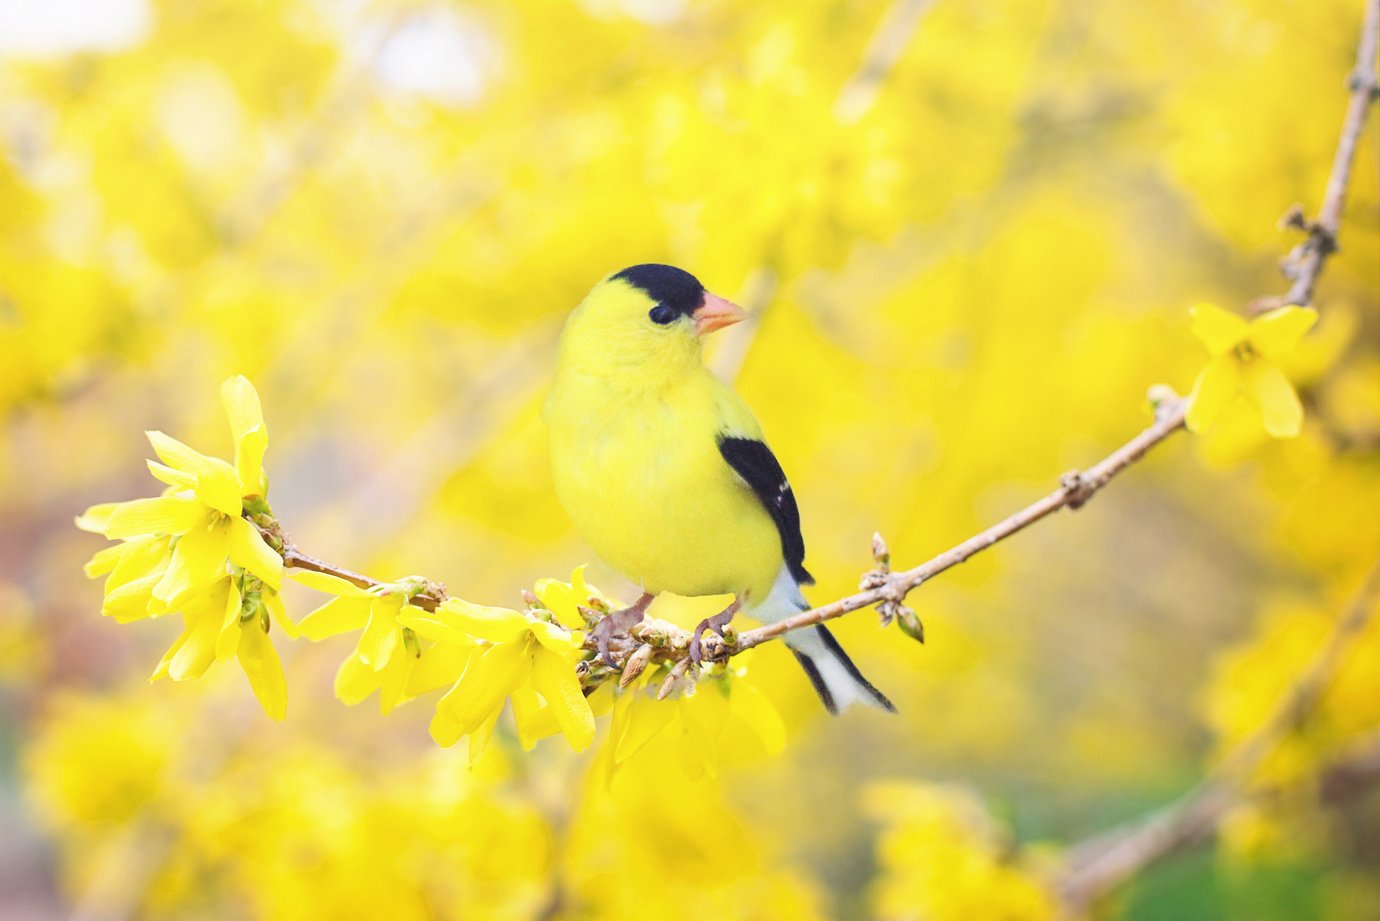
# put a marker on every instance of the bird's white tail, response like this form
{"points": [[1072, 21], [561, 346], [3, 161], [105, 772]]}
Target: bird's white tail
{"points": [[836, 679]]}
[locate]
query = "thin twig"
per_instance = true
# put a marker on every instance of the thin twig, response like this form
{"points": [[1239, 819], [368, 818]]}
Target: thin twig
{"points": [[883, 52], [1305, 263], [735, 342], [428, 599], [855, 99], [1101, 863], [1076, 488]]}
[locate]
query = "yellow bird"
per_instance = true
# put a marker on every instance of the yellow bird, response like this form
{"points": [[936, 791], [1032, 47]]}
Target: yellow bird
{"points": [[665, 471]]}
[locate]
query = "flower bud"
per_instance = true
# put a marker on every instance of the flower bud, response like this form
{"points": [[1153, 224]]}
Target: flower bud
{"points": [[910, 624], [636, 664]]}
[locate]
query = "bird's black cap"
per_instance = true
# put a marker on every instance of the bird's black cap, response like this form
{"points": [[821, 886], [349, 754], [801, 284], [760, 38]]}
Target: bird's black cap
{"points": [[666, 284]]}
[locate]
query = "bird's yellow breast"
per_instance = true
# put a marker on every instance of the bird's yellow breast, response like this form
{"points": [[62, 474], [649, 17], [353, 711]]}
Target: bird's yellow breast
{"points": [[640, 474]]}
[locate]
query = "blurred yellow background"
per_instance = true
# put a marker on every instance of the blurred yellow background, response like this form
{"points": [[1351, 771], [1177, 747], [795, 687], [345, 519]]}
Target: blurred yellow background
{"points": [[970, 234]]}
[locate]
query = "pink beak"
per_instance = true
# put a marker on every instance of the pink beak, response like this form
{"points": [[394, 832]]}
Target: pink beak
{"points": [[716, 313]]}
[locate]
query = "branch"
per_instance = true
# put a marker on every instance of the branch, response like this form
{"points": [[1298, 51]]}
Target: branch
{"points": [[1305, 263], [422, 593], [855, 99], [1101, 863], [1075, 489], [887, 45]]}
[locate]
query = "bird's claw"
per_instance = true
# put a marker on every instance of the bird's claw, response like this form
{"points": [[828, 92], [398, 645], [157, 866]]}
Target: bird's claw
{"points": [[616, 622], [717, 623]]}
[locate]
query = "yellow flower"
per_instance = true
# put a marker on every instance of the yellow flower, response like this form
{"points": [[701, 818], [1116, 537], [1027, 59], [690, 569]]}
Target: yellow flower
{"points": [[531, 660], [192, 550], [185, 537], [564, 599], [1242, 364], [722, 719], [232, 619], [942, 856], [386, 653]]}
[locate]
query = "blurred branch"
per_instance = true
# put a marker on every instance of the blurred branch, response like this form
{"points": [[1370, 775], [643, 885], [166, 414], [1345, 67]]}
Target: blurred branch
{"points": [[1101, 863], [883, 52], [1304, 264], [732, 350], [349, 96], [1107, 860], [855, 99]]}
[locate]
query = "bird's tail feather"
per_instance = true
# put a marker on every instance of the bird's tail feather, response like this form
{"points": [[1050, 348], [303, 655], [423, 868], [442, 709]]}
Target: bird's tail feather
{"points": [[836, 679]]}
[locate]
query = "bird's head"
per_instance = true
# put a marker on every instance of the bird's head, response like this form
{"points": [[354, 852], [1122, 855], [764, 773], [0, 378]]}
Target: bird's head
{"points": [[645, 317]]}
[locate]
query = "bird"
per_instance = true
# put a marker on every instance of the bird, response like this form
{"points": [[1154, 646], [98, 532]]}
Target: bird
{"points": [[665, 472]]}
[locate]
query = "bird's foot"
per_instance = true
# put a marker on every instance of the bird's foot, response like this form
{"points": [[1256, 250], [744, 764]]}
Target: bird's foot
{"points": [[618, 622], [717, 623]]}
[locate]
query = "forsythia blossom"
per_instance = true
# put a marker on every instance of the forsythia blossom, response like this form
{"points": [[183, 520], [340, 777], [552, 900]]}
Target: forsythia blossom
{"points": [[385, 654], [944, 858], [1243, 354], [510, 654], [723, 718], [193, 551]]}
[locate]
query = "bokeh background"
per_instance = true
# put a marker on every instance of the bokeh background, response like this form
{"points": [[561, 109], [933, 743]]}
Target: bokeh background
{"points": [[969, 234]]}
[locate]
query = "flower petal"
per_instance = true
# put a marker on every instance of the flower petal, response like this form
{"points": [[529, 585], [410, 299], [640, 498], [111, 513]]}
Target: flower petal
{"points": [[324, 582], [130, 601], [249, 550], [637, 719], [756, 710], [143, 556], [194, 651], [97, 517], [277, 612], [441, 625], [1271, 392], [1275, 333], [339, 615], [247, 428], [217, 484], [355, 681], [554, 678], [228, 643], [439, 666], [163, 515], [555, 638], [106, 560], [198, 561], [487, 681], [165, 474], [382, 634], [1216, 328], [497, 625], [1216, 386], [479, 739], [261, 664], [393, 681], [445, 729]]}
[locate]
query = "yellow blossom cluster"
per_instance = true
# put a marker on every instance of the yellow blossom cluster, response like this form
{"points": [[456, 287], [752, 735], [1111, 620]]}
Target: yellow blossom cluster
{"points": [[200, 549], [944, 858], [193, 551]]}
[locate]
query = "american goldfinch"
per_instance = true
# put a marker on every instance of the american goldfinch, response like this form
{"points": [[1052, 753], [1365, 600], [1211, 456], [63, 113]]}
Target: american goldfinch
{"points": [[665, 471]]}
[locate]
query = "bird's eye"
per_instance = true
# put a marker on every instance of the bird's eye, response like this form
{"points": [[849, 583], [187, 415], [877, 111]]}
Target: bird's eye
{"points": [[661, 314]]}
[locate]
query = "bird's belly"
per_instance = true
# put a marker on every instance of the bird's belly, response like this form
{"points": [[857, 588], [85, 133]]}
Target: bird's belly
{"points": [[668, 517]]}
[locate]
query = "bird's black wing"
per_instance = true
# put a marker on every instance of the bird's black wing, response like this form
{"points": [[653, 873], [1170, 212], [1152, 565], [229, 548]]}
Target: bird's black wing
{"points": [[755, 463]]}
